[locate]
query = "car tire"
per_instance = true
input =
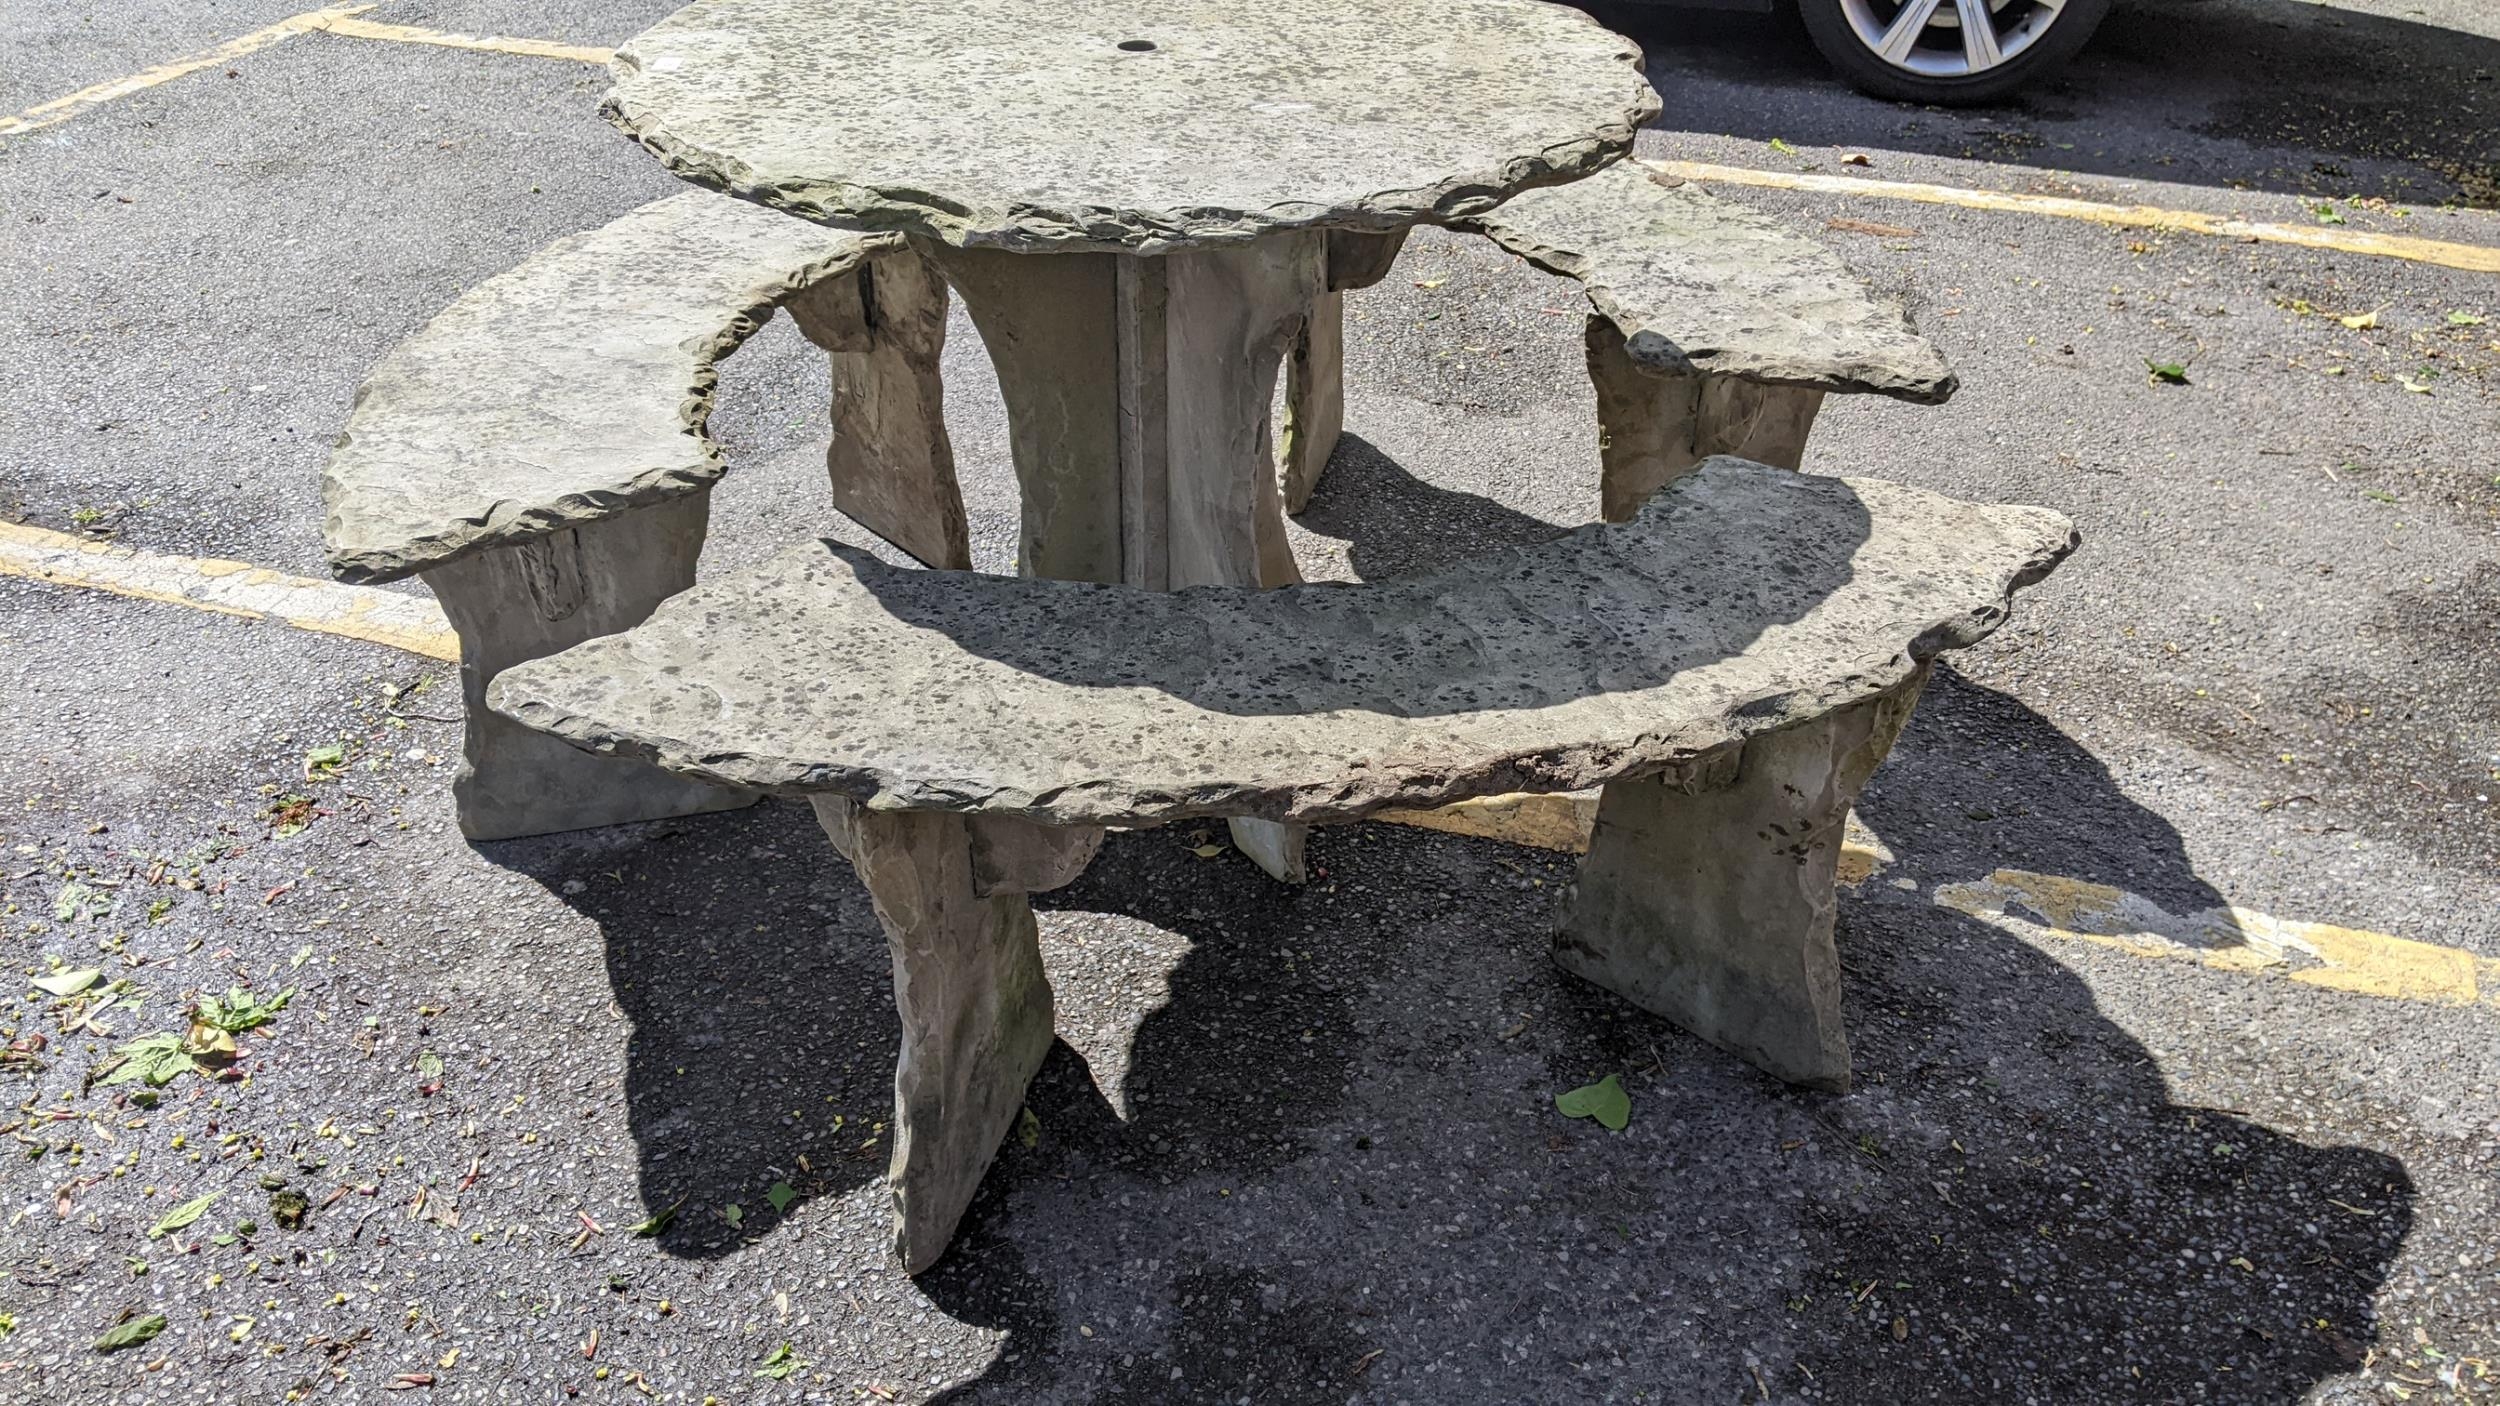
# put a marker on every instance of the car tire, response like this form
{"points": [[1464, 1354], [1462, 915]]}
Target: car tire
{"points": [[1849, 32]]}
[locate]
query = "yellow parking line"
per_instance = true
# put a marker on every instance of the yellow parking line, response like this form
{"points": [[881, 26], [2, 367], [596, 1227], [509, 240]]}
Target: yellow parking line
{"points": [[2474, 258], [2050, 907], [62, 109], [492, 43], [238, 588]]}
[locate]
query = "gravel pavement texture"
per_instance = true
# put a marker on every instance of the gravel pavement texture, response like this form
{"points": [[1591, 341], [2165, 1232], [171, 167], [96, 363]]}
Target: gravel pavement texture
{"points": [[600, 1116]]}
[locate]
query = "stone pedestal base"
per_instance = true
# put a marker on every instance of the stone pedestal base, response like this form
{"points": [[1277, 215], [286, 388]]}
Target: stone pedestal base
{"points": [[509, 604], [1715, 909], [1654, 428], [976, 1009]]}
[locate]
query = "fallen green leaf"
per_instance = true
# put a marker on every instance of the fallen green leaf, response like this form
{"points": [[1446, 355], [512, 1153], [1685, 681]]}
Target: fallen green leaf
{"points": [[1207, 851], [2329, 215], [76, 900], [2464, 319], [183, 1215], [735, 1214], [658, 1222], [2169, 372], [1782, 147], [1604, 1101], [781, 1363], [781, 1196], [158, 1059], [1028, 1128], [240, 1010], [68, 983], [131, 1334]]}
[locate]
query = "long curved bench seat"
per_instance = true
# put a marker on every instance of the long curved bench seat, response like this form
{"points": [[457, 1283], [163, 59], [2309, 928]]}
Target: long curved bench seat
{"points": [[1731, 665], [538, 454]]}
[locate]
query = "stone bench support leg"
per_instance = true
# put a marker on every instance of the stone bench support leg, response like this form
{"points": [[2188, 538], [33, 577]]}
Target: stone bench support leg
{"points": [[1138, 393], [509, 604], [949, 890], [1314, 401], [891, 463], [1315, 376], [1715, 909], [1653, 428]]}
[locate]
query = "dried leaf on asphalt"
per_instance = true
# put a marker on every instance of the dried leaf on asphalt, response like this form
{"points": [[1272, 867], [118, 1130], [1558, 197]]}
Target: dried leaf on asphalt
{"points": [[1604, 1101], [67, 983]]}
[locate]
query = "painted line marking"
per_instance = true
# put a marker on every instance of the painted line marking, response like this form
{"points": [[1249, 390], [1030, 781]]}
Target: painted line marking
{"points": [[2474, 258], [492, 43], [2042, 907], [64, 108], [230, 588]]}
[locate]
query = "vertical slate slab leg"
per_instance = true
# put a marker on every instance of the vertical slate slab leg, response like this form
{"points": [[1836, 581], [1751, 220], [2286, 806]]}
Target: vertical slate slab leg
{"points": [[1314, 401], [1050, 324], [1230, 315], [1715, 909], [891, 464], [1315, 377], [975, 1003], [509, 604], [1653, 427]]}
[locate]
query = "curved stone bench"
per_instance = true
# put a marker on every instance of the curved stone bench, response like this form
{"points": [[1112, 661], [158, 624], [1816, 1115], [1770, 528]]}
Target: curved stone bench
{"points": [[537, 453], [1731, 665], [1714, 330]]}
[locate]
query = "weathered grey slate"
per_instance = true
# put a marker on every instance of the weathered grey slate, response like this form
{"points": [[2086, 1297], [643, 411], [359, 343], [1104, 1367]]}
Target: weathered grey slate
{"points": [[566, 390], [981, 123], [1699, 285], [1741, 600]]}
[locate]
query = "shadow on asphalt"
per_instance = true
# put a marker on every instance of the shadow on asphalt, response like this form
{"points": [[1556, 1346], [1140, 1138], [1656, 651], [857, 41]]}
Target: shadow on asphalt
{"points": [[2064, 1229], [1395, 524], [2253, 76]]}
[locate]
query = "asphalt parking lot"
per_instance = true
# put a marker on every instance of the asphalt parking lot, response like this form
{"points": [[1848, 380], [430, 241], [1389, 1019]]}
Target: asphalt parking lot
{"points": [[2175, 989]]}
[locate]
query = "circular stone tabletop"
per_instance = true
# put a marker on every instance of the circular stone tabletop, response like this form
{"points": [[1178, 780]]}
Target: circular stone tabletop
{"points": [[1130, 125]]}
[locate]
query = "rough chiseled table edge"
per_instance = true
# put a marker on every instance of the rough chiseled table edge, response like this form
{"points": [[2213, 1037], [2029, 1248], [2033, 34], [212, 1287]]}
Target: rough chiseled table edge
{"points": [[870, 209], [1686, 750], [689, 462]]}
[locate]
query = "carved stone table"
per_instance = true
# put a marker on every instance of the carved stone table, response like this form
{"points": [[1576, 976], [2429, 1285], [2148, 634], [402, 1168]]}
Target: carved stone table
{"points": [[1136, 200]]}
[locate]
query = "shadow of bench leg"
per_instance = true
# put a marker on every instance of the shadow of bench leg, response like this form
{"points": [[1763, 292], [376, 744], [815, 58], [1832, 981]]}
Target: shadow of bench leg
{"points": [[1715, 909], [1654, 427], [891, 463], [969, 986], [510, 604]]}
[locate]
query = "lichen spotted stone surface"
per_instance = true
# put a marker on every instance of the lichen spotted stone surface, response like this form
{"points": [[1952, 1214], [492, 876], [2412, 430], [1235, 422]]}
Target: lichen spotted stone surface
{"points": [[1128, 125], [567, 390], [1741, 600], [1697, 284]]}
